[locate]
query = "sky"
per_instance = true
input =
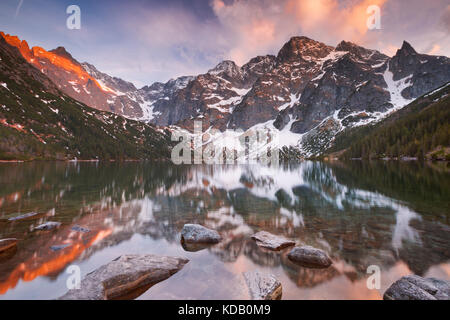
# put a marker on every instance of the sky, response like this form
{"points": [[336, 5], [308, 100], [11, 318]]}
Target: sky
{"points": [[144, 41]]}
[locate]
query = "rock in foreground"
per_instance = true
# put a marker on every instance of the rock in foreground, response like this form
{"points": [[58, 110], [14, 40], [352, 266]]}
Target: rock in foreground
{"points": [[413, 287], [127, 276], [263, 286], [269, 241], [195, 233], [310, 257]]}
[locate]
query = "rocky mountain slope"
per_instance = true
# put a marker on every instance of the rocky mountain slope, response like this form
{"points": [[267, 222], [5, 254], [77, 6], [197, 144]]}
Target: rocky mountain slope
{"points": [[420, 130], [308, 93], [81, 81], [38, 121]]}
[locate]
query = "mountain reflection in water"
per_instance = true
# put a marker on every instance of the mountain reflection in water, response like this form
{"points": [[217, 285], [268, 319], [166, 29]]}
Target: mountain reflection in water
{"points": [[394, 215]]}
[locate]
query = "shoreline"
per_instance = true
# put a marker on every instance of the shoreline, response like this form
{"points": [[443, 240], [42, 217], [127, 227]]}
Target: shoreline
{"points": [[168, 160], [84, 160]]}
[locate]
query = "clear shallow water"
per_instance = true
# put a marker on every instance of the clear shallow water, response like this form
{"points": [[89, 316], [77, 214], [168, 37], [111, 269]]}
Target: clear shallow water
{"points": [[390, 214]]}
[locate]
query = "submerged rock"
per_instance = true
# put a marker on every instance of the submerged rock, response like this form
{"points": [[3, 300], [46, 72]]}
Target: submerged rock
{"points": [[310, 257], [413, 287], [48, 226], [80, 229], [128, 276], [269, 241], [263, 286], [26, 216], [7, 244], [195, 233], [59, 247]]}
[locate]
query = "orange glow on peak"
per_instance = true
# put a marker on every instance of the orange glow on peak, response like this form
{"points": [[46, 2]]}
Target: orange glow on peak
{"points": [[34, 54]]}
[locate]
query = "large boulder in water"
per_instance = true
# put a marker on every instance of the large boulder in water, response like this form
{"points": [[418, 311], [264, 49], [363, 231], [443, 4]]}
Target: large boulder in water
{"points": [[310, 257], [267, 240], [127, 276], [413, 287], [195, 233]]}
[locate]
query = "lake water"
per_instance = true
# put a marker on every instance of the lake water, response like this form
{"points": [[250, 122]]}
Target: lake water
{"points": [[394, 215]]}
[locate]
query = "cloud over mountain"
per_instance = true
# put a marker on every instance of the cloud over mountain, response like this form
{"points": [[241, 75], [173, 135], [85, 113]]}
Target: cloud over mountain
{"points": [[159, 40]]}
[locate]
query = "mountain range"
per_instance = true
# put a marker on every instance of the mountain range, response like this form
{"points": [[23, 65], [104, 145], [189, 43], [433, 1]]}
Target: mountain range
{"points": [[310, 92]]}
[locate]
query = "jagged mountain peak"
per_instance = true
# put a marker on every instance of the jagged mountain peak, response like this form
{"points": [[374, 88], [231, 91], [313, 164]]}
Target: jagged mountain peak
{"points": [[303, 47], [13, 39], [347, 46], [406, 49], [301, 39], [179, 83], [227, 67], [424, 71], [155, 86], [360, 52], [259, 59], [259, 65], [62, 52], [88, 66], [114, 84]]}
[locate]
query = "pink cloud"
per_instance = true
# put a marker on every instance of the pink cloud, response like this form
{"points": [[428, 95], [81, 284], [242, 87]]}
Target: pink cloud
{"points": [[435, 50], [255, 27], [174, 41], [258, 27]]}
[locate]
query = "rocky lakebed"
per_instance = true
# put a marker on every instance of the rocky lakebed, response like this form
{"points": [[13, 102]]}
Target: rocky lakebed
{"points": [[130, 275]]}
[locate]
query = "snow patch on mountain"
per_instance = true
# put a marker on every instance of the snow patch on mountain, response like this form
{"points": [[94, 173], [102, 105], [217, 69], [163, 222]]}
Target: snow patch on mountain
{"points": [[395, 89], [294, 98], [148, 112], [228, 68], [108, 89]]}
